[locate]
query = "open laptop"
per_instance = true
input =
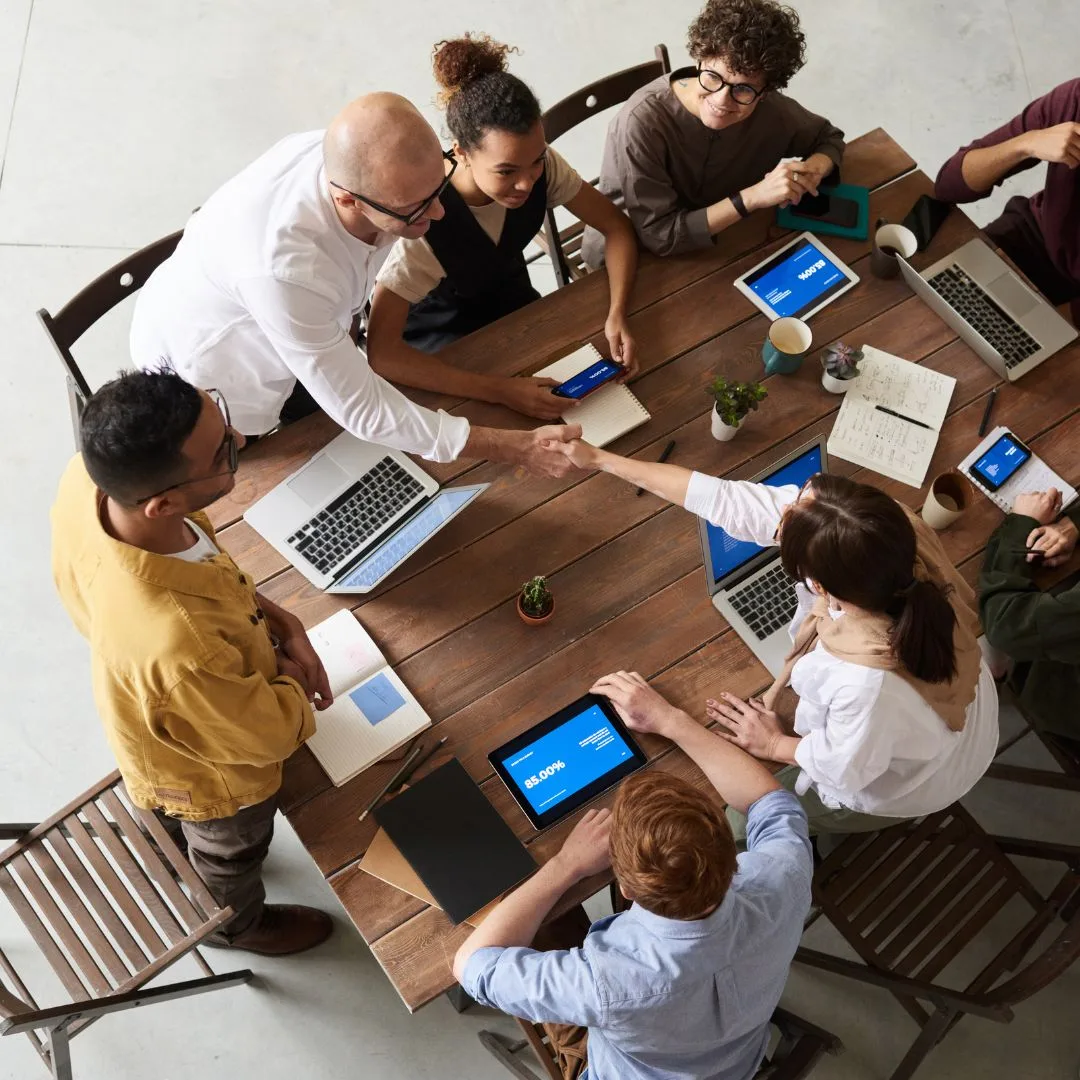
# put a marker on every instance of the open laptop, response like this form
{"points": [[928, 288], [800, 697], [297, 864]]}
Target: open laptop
{"points": [[354, 513], [1009, 325], [748, 584]]}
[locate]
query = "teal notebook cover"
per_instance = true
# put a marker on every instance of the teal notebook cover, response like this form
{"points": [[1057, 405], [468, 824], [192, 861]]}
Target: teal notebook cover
{"points": [[787, 217]]}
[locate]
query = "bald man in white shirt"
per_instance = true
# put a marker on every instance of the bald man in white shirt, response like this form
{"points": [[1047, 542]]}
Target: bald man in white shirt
{"points": [[263, 287]]}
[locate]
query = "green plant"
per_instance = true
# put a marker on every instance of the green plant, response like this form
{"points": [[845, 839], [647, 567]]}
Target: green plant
{"points": [[734, 400], [536, 598], [841, 361]]}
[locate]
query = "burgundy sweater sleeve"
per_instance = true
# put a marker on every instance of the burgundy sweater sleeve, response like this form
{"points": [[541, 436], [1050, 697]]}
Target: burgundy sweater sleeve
{"points": [[1060, 105]]}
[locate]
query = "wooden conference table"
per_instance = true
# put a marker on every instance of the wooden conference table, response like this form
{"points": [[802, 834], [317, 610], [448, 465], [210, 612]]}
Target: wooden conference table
{"points": [[625, 571]]}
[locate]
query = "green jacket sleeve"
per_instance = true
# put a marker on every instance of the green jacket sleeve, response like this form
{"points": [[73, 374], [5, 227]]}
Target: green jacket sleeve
{"points": [[1017, 616]]}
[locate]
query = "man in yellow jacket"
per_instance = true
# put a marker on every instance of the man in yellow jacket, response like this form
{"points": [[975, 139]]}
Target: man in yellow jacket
{"points": [[204, 686]]}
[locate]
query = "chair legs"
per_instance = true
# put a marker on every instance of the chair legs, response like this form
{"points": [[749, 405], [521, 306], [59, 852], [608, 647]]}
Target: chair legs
{"points": [[505, 1051], [932, 1033], [60, 1053]]}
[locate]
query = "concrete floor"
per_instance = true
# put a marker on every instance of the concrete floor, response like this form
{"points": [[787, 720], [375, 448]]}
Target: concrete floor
{"points": [[117, 117]]}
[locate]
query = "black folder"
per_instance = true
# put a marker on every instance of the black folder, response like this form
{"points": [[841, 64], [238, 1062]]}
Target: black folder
{"points": [[455, 840]]}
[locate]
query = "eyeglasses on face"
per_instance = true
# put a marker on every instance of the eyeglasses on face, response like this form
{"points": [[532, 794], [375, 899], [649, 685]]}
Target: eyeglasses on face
{"points": [[412, 216], [741, 93], [228, 444]]}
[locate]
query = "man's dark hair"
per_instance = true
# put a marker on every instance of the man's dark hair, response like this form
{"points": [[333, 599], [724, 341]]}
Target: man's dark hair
{"points": [[753, 37], [133, 432]]}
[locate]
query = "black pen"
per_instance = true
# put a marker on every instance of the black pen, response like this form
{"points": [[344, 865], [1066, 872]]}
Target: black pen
{"points": [[901, 416], [665, 454], [986, 412]]}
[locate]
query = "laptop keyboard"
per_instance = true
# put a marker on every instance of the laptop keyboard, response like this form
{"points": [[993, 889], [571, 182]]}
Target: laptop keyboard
{"points": [[356, 515], [975, 305], [767, 603]]}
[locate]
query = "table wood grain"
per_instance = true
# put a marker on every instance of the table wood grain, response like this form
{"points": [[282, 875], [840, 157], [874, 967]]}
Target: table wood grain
{"points": [[626, 571]]}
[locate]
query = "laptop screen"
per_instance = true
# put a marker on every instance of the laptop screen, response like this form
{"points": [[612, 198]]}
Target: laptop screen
{"points": [[725, 554]]}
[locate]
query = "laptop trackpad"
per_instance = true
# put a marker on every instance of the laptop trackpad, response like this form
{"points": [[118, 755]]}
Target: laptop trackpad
{"points": [[319, 482], [1014, 296]]}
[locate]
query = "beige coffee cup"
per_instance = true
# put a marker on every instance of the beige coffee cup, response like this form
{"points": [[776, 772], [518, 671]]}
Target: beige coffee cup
{"points": [[949, 496]]}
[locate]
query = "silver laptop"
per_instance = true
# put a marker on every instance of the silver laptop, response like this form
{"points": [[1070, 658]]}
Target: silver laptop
{"points": [[1009, 325], [354, 513], [748, 584]]}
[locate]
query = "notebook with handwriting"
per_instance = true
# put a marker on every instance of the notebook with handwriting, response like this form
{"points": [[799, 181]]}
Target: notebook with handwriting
{"points": [[607, 413], [899, 443], [1036, 475], [373, 711]]}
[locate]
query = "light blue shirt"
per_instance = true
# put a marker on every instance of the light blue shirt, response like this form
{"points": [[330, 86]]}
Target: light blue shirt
{"points": [[667, 999]]}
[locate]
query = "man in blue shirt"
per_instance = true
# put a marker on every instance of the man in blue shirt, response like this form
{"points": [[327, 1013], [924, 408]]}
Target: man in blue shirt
{"points": [[681, 986]]}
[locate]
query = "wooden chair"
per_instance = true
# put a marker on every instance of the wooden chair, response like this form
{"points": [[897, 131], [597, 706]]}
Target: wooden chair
{"points": [[110, 903], [911, 898], [92, 303], [801, 1045], [564, 248], [1064, 754]]}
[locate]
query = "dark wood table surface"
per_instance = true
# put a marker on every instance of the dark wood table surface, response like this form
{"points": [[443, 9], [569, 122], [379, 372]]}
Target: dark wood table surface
{"points": [[626, 571]]}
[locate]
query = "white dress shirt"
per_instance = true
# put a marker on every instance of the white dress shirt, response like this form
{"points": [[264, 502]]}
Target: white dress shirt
{"points": [[262, 290], [869, 741]]}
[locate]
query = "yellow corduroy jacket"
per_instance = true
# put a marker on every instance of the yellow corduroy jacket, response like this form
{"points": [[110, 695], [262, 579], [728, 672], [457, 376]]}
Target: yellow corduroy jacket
{"points": [[184, 672]]}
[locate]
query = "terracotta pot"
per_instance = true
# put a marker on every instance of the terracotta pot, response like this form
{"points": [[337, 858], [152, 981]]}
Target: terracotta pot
{"points": [[723, 432], [835, 385], [534, 620]]}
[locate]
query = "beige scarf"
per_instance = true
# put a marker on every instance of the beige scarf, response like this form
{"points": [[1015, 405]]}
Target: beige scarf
{"points": [[864, 638]]}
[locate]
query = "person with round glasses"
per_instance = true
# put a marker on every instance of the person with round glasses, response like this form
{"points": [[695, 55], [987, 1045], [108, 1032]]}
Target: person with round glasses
{"points": [[692, 153], [262, 294]]}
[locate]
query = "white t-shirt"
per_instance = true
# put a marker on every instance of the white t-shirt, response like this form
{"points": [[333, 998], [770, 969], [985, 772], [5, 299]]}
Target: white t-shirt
{"points": [[869, 741], [204, 548], [412, 270], [261, 291]]}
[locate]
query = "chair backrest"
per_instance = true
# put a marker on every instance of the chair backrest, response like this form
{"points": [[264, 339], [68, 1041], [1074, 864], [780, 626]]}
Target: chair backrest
{"points": [[92, 303]]}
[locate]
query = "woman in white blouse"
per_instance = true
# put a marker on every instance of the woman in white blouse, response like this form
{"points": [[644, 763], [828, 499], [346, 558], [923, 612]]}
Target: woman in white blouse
{"points": [[897, 711]]}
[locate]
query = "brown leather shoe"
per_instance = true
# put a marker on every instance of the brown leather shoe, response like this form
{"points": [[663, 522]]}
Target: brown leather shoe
{"points": [[282, 929]]}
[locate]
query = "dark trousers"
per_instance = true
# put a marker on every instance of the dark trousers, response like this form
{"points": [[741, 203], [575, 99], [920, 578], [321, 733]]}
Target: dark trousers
{"points": [[1017, 233], [228, 854]]}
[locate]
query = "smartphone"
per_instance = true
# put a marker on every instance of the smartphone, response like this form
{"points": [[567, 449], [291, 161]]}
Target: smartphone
{"points": [[830, 209], [1001, 462], [592, 378], [925, 218]]}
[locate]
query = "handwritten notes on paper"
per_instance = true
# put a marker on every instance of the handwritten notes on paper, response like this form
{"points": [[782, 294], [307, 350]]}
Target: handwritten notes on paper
{"points": [[893, 445]]}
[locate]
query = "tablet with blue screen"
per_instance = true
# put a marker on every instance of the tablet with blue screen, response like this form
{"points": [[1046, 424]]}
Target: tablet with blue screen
{"points": [[798, 280], [566, 760]]}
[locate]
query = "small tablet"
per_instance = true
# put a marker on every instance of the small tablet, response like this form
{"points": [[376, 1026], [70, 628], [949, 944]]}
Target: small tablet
{"points": [[798, 280], [567, 759]]}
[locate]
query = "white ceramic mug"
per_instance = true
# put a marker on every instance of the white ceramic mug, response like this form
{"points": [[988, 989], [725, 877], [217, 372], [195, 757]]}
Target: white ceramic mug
{"points": [[896, 238], [949, 496]]}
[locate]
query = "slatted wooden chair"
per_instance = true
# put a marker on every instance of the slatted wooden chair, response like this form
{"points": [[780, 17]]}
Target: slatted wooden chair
{"points": [[910, 899], [564, 248], [110, 903], [92, 303]]}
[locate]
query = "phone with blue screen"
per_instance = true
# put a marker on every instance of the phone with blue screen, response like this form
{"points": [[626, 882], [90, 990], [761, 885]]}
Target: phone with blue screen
{"points": [[592, 378], [1001, 462]]}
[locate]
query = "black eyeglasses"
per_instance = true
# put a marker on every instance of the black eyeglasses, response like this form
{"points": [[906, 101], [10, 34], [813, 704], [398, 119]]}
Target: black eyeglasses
{"points": [[741, 93], [414, 215], [228, 444]]}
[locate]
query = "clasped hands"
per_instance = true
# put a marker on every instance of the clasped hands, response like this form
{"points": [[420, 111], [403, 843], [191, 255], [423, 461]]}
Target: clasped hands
{"points": [[1053, 541]]}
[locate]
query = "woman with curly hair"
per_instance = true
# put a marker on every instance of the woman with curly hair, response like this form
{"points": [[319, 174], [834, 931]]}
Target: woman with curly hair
{"points": [[469, 269], [692, 152]]}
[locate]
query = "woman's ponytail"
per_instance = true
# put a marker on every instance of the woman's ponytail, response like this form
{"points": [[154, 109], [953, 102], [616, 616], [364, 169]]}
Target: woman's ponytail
{"points": [[922, 635]]}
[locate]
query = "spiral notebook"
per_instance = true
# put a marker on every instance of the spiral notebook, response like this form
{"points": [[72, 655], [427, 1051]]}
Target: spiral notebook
{"points": [[373, 711], [605, 415], [1036, 475]]}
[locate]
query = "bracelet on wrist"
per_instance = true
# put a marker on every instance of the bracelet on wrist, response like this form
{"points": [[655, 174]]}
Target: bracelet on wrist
{"points": [[740, 206]]}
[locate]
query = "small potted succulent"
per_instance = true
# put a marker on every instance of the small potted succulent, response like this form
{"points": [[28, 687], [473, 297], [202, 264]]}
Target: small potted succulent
{"points": [[731, 402], [840, 364], [535, 604]]}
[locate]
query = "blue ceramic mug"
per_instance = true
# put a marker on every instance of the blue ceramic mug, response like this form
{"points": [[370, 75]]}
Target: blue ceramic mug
{"points": [[785, 348]]}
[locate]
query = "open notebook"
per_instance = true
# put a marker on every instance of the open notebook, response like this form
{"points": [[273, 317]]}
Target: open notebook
{"points": [[373, 711], [900, 443], [604, 415]]}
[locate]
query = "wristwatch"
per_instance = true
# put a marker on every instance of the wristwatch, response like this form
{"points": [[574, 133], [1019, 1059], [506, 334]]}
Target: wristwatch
{"points": [[740, 206]]}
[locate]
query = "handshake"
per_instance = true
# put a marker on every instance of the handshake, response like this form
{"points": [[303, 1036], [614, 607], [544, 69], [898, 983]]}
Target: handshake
{"points": [[555, 450]]}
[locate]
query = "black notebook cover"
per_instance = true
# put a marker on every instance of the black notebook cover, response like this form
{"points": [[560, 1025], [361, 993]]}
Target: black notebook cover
{"points": [[455, 840]]}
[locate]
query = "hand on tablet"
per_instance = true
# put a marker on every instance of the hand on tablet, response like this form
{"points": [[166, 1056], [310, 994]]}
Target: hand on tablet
{"points": [[585, 851], [637, 703]]}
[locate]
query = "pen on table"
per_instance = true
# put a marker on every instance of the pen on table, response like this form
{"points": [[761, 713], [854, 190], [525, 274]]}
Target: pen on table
{"points": [[986, 412], [901, 416], [1027, 551], [408, 767], [664, 455]]}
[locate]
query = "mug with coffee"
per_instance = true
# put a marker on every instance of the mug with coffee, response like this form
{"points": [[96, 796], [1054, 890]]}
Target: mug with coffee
{"points": [[788, 343], [890, 241], [949, 496]]}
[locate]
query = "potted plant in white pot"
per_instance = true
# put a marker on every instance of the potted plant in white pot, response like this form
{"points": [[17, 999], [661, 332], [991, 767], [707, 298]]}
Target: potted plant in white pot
{"points": [[731, 402], [840, 364], [535, 604]]}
